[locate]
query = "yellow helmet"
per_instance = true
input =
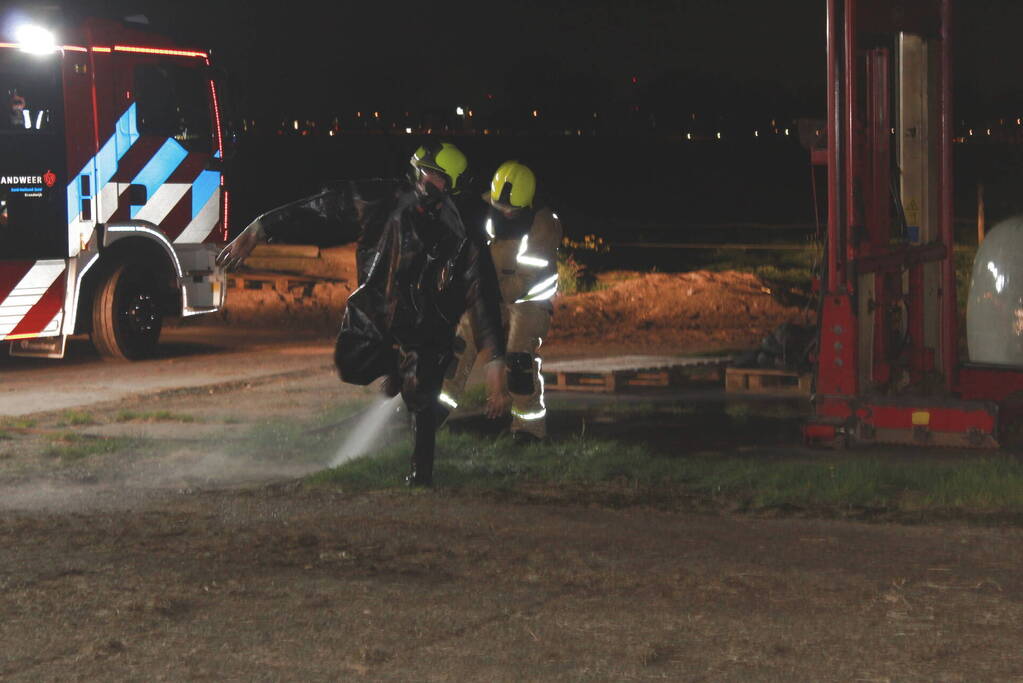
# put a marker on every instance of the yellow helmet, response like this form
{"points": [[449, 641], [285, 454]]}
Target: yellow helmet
{"points": [[514, 185], [442, 157]]}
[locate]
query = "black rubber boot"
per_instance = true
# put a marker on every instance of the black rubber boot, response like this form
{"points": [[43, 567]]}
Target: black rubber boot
{"points": [[424, 429]]}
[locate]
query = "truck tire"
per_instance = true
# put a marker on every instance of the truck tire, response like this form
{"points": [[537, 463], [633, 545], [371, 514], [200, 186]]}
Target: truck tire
{"points": [[126, 313]]}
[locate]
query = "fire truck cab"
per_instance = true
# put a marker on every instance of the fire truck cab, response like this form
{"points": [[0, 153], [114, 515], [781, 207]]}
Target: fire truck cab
{"points": [[112, 198]]}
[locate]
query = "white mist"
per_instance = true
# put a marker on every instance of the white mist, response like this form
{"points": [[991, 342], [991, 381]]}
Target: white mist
{"points": [[366, 434]]}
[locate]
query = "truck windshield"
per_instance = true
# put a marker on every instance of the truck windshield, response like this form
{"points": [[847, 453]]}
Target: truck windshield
{"points": [[29, 93]]}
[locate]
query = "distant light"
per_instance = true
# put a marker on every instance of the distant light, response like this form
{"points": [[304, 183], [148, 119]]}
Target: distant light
{"points": [[756, 133], [971, 132], [376, 115], [594, 114], [989, 131], [536, 113], [295, 124], [1019, 122], [469, 113], [408, 131], [817, 132], [893, 131], [786, 131], [331, 133], [719, 135], [634, 80], [358, 114], [459, 111], [35, 40], [689, 136]]}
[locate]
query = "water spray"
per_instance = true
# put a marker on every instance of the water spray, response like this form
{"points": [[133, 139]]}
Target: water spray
{"points": [[366, 434]]}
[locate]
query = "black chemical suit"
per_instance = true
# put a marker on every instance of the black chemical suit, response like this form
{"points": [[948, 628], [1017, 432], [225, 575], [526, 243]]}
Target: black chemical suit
{"points": [[419, 272]]}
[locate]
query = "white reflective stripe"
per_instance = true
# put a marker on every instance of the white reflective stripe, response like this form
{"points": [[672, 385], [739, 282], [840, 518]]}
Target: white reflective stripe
{"points": [[542, 291], [530, 416], [39, 120], [26, 115], [202, 225], [490, 228], [552, 280], [527, 417], [543, 296], [159, 236], [532, 261], [524, 259], [72, 308], [27, 293], [161, 203], [447, 400], [524, 244]]}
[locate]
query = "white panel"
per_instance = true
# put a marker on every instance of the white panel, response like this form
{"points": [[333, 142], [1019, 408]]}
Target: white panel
{"points": [[202, 225], [162, 202]]}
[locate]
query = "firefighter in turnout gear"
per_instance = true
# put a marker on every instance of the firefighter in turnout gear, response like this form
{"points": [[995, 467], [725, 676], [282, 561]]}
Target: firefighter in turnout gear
{"points": [[524, 235], [421, 271]]}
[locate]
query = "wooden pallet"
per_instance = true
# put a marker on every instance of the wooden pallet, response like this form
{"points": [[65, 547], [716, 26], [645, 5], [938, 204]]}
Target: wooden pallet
{"points": [[281, 282], [615, 375], [767, 381]]}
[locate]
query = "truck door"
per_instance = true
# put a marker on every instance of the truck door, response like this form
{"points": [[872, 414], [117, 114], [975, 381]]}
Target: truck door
{"points": [[171, 175], [33, 200]]}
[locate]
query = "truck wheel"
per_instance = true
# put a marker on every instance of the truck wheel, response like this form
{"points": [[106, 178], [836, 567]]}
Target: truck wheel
{"points": [[126, 314]]}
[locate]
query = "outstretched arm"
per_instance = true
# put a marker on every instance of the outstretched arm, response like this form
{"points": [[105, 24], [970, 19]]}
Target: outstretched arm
{"points": [[327, 218]]}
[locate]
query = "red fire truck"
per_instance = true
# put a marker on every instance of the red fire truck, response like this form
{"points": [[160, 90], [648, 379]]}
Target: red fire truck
{"points": [[112, 198]]}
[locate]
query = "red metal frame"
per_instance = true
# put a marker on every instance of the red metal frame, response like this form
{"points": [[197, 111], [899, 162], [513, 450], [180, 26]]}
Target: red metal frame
{"points": [[894, 398]]}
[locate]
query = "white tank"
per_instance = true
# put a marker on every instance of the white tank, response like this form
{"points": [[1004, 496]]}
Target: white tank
{"points": [[994, 308]]}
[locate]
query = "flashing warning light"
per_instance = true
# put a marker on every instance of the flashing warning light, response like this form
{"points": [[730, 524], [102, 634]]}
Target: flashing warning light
{"points": [[216, 115], [35, 40]]}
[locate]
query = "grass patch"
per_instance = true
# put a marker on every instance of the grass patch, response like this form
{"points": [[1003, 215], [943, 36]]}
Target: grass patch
{"points": [[70, 447], [614, 472], [153, 416], [76, 418], [17, 422]]}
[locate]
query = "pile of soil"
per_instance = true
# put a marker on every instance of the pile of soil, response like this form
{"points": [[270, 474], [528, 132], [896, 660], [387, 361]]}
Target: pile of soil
{"points": [[629, 311], [695, 311]]}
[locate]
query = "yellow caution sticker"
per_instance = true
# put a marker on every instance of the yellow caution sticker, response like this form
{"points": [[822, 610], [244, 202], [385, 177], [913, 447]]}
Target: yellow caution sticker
{"points": [[921, 418]]}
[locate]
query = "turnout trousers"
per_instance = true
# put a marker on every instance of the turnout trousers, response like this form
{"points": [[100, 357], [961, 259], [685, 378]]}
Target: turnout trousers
{"points": [[526, 324]]}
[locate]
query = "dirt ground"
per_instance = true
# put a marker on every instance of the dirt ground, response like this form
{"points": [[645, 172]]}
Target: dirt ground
{"points": [[180, 555]]}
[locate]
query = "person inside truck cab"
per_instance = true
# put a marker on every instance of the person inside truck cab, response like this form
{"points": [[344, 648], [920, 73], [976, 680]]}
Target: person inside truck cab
{"points": [[17, 109]]}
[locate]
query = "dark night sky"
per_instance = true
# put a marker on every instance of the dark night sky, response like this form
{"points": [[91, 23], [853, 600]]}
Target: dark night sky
{"points": [[316, 57]]}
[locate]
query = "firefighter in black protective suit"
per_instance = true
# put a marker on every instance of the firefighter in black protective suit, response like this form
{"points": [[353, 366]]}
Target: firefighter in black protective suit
{"points": [[419, 271]]}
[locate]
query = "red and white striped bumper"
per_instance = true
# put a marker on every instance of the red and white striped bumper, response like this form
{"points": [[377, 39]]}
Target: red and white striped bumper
{"points": [[32, 298]]}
